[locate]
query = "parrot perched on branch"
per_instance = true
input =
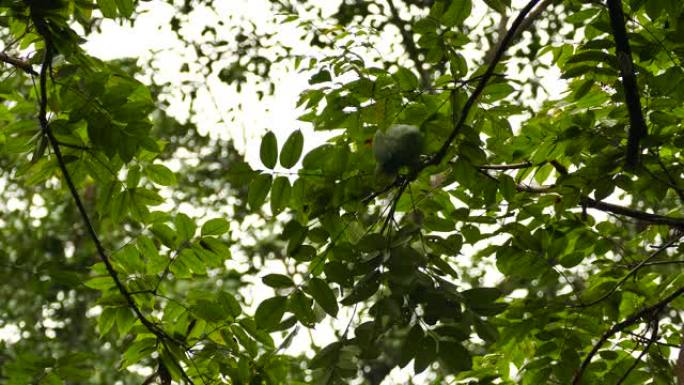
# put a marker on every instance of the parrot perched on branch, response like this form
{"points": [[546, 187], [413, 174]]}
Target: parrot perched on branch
{"points": [[400, 146]]}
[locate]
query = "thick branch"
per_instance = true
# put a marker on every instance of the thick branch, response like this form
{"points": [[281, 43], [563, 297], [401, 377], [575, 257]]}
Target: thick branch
{"points": [[489, 72], [650, 311], [585, 201], [18, 63], [637, 129], [644, 216]]}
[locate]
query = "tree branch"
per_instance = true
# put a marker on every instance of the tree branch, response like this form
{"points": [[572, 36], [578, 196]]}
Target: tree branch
{"points": [[489, 72], [651, 311], [54, 143], [18, 63], [644, 216], [44, 124], [649, 342], [677, 223], [631, 272], [637, 124], [503, 167], [525, 25]]}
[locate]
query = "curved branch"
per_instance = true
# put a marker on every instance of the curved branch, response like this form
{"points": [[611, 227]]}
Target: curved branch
{"points": [[45, 127], [651, 311], [54, 143], [489, 72], [631, 272]]}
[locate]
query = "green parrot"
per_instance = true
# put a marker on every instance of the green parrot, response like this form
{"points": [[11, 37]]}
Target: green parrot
{"points": [[400, 146]]}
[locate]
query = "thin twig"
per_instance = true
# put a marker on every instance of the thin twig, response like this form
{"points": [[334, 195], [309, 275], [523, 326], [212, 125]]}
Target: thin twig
{"points": [[644, 339], [656, 263], [651, 311], [631, 272], [670, 177], [654, 337], [657, 219], [393, 205]]}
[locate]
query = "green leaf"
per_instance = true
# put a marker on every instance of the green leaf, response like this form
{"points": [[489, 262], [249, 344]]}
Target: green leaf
{"points": [[147, 197], [594, 56], [166, 234], [321, 77], [108, 8], [229, 304], [209, 311], [215, 226], [426, 352], [185, 227], [129, 258], [160, 174], [409, 347], [269, 150], [498, 5], [323, 295], [277, 281], [106, 320], [327, 357], [100, 283], [269, 312], [280, 194], [406, 79], [301, 306], [124, 320], [571, 259], [481, 295], [292, 149], [155, 263], [258, 190], [137, 351], [365, 288], [486, 330], [497, 91], [126, 7], [454, 356], [457, 12], [51, 378]]}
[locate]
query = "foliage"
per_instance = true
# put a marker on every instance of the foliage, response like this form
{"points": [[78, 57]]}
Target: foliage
{"points": [[102, 272]]}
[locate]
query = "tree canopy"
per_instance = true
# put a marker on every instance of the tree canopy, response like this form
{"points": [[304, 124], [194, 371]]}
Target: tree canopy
{"points": [[498, 202]]}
